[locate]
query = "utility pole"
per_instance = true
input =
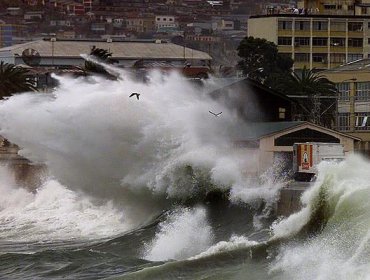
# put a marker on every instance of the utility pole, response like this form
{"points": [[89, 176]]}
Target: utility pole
{"points": [[52, 50]]}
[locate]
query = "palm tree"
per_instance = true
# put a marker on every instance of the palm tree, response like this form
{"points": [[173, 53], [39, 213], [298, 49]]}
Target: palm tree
{"points": [[100, 55], [315, 95], [13, 79]]}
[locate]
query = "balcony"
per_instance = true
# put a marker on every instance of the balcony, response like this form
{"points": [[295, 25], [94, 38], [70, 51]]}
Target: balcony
{"points": [[285, 32], [302, 33], [287, 49], [362, 106], [344, 106]]}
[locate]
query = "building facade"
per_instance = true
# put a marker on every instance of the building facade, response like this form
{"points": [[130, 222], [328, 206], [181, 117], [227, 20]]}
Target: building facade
{"points": [[334, 7], [165, 22], [140, 24], [315, 41], [353, 101]]}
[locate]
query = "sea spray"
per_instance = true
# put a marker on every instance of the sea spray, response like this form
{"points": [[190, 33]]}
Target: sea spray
{"points": [[54, 213], [185, 233], [94, 138], [332, 252]]}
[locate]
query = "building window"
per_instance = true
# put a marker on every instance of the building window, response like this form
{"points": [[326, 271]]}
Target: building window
{"points": [[343, 121], [362, 91], [337, 26], [302, 25], [363, 11], [337, 42], [158, 19], [285, 41], [355, 26], [362, 121], [301, 41], [354, 56], [318, 41], [170, 19], [343, 91], [320, 57], [355, 42], [302, 57], [337, 57], [285, 25], [282, 112], [320, 25], [330, 6]]}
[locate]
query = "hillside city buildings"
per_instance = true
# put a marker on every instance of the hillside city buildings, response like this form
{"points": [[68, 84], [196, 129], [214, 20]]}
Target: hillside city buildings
{"points": [[215, 27]]}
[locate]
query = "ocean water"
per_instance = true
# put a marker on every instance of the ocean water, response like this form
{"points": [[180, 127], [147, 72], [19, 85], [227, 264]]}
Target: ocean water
{"points": [[130, 192]]}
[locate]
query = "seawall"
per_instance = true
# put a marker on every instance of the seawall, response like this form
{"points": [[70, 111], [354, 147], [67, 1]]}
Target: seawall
{"points": [[290, 198], [26, 174]]}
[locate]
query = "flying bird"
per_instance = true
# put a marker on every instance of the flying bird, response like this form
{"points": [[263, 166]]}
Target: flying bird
{"points": [[135, 93], [216, 115]]}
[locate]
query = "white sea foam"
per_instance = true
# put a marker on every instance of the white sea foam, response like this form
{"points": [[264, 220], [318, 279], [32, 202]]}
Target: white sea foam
{"points": [[93, 137], [54, 213], [235, 242], [185, 233], [341, 249]]}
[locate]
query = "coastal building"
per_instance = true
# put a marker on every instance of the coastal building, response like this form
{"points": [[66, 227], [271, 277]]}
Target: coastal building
{"points": [[353, 101], [60, 52], [271, 143], [317, 34], [269, 132], [315, 40], [334, 7]]}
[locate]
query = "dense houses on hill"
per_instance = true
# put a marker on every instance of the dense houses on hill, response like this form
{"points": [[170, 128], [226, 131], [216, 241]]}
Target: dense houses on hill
{"points": [[207, 25]]}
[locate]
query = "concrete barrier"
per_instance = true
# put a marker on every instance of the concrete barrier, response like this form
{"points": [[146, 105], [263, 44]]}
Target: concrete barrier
{"points": [[26, 173], [290, 198]]}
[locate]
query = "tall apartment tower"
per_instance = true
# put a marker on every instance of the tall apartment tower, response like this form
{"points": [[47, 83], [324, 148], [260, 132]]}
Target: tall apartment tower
{"points": [[335, 7], [320, 34]]}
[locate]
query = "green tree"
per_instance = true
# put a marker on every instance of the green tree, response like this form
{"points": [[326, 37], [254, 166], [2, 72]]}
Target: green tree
{"points": [[103, 56], [13, 79], [261, 60], [315, 95]]}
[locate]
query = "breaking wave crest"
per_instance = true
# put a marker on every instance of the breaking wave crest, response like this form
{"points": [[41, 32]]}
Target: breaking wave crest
{"points": [[94, 138], [185, 233], [336, 221], [53, 213]]}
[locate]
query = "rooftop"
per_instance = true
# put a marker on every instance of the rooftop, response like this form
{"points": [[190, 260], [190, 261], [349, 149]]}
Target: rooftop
{"points": [[311, 16], [119, 49], [257, 130]]}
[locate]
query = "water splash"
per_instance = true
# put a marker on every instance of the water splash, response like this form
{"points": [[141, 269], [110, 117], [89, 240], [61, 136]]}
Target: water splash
{"points": [[337, 209], [54, 213], [185, 233], [94, 138]]}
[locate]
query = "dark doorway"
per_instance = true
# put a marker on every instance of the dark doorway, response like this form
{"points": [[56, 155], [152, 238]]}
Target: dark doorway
{"points": [[305, 135]]}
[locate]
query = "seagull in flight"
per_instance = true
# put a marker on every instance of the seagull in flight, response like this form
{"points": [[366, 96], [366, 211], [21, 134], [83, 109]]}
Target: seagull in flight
{"points": [[216, 115], [135, 93]]}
